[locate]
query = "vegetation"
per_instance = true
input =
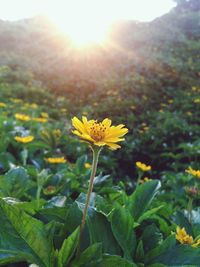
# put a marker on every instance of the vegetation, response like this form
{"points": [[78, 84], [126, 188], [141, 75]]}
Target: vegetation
{"points": [[142, 206]]}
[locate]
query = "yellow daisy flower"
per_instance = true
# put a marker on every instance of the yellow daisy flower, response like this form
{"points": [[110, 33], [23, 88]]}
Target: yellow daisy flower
{"points": [[143, 166], [99, 133], [40, 119], [26, 139], [88, 165], [183, 237], [2, 105], [56, 160], [195, 173], [22, 117]]}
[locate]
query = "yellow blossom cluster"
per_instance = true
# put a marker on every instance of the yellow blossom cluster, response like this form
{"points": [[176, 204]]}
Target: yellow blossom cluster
{"points": [[23, 117], [2, 105], [195, 173], [143, 166], [184, 238], [56, 160], [25, 139], [40, 119], [88, 165]]}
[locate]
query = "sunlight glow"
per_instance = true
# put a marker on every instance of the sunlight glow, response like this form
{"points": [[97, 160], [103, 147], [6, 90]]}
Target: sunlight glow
{"points": [[85, 21]]}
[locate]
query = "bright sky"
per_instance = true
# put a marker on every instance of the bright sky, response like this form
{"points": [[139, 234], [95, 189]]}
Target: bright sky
{"points": [[142, 10]]}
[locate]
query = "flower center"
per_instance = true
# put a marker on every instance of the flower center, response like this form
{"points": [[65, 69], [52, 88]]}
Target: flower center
{"points": [[97, 131]]}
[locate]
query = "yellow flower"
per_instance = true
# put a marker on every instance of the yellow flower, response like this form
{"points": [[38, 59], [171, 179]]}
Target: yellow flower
{"points": [[56, 160], [16, 100], [63, 110], [183, 237], [26, 139], [196, 244], [57, 133], [143, 166], [44, 115], [40, 119], [195, 173], [88, 165], [197, 100], [99, 133], [2, 105], [22, 117]]}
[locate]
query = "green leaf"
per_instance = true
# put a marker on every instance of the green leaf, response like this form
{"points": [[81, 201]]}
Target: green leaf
{"points": [[140, 252], [14, 183], [151, 237], [116, 261], [122, 227], [166, 245], [147, 214], [89, 257], [140, 200], [68, 248], [100, 232], [179, 256], [23, 238], [180, 219]]}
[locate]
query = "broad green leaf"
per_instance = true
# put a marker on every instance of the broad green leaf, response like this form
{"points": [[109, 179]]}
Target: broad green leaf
{"points": [[89, 257], [68, 248], [180, 219], [23, 238], [166, 245], [140, 200], [116, 261], [14, 183], [151, 237], [180, 255], [100, 232], [122, 227]]}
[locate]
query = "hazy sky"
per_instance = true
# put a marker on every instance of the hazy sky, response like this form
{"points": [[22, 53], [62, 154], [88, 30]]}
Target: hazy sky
{"points": [[143, 10]]}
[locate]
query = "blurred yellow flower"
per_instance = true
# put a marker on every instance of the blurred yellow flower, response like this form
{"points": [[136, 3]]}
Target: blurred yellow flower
{"points": [[197, 100], [88, 165], [57, 133], [16, 100], [2, 105], [189, 113], [26, 139], [143, 166], [195, 173], [99, 133], [22, 117], [44, 115], [40, 119], [184, 238], [56, 160]]}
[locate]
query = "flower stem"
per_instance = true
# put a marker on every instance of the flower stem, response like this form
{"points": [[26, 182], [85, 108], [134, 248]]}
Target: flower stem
{"points": [[189, 208], [140, 173], [96, 152]]}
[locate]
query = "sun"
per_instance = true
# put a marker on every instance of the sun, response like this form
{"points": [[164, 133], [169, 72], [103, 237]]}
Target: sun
{"points": [[83, 22]]}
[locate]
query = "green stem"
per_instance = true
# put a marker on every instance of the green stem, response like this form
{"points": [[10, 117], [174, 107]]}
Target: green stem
{"points": [[38, 193], [96, 152], [140, 173], [189, 208]]}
